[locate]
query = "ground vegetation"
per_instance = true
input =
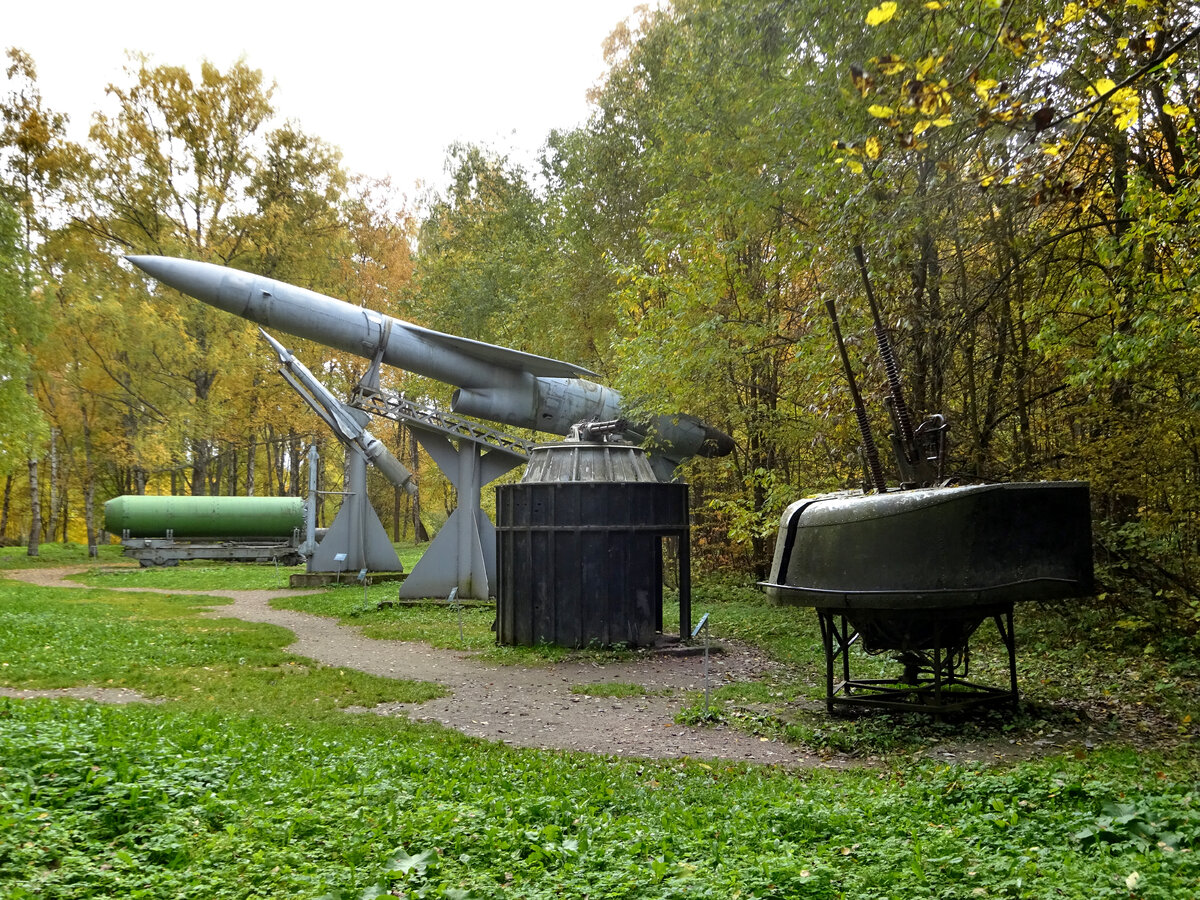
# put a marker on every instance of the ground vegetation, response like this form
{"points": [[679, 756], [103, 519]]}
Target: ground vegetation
{"points": [[244, 771]]}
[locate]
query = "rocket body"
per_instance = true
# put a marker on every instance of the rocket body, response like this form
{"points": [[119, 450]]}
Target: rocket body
{"points": [[494, 383]]}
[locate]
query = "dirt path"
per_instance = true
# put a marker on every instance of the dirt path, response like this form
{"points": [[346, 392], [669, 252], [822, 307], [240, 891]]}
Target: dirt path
{"points": [[522, 706]]}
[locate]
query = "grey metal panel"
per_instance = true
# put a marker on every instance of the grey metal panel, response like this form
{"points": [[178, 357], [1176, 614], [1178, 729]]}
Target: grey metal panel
{"points": [[356, 535], [578, 461]]}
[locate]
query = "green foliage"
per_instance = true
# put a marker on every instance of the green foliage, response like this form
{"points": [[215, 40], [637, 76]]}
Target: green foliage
{"points": [[1169, 829], [433, 623], [55, 555], [444, 625], [482, 253], [245, 787], [191, 575], [160, 646], [200, 575], [21, 425], [105, 802]]}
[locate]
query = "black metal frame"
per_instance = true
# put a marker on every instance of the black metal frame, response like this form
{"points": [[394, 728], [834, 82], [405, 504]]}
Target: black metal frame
{"points": [[935, 678]]}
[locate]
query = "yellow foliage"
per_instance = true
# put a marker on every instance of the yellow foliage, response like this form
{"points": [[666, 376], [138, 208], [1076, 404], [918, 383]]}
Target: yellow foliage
{"points": [[984, 86], [1012, 41], [873, 148], [881, 112], [1124, 102], [1126, 107], [882, 13], [926, 65], [1073, 13]]}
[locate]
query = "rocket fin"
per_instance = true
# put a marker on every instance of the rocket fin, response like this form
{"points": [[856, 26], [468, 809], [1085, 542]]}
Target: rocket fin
{"points": [[493, 354]]}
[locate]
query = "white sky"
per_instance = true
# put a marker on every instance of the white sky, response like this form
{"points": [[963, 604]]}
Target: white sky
{"points": [[390, 83]]}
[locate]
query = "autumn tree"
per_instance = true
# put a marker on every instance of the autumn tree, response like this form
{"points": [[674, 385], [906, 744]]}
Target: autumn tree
{"points": [[191, 167], [482, 249], [711, 147], [36, 158], [20, 418], [1069, 135]]}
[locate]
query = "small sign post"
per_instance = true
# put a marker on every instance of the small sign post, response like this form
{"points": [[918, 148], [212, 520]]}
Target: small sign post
{"points": [[703, 623]]}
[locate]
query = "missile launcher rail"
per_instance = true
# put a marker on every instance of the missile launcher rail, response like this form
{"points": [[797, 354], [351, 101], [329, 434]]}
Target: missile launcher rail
{"points": [[389, 405]]}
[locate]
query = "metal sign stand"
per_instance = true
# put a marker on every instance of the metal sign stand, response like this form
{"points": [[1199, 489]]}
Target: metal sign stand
{"points": [[703, 624]]}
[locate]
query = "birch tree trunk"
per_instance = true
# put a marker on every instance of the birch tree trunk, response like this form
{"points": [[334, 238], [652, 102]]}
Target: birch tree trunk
{"points": [[5, 506], [35, 510]]}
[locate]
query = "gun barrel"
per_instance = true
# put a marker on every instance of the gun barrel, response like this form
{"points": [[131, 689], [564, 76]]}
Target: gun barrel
{"points": [[874, 467], [891, 367]]}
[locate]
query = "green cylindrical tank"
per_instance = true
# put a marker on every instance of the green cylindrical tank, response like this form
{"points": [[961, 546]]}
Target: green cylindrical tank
{"points": [[204, 517]]}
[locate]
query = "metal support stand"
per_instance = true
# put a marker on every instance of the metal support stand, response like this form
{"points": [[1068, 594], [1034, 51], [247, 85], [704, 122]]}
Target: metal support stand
{"points": [[703, 625], [463, 554], [936, 673], [356, 535], [685, 585]]}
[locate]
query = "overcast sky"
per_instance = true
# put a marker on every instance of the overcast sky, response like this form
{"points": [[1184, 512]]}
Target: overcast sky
{"points": [[390, 83]]}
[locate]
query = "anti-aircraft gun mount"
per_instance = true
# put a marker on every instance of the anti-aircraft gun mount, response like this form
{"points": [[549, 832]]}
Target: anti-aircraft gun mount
{"points": [[913, 572]]}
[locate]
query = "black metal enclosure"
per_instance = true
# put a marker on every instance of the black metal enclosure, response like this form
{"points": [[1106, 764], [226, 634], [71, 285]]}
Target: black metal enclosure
{"points": [[580, 557]]}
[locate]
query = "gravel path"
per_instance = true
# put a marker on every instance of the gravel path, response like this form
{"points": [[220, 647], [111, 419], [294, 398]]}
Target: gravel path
{"points": [[519, 705]]}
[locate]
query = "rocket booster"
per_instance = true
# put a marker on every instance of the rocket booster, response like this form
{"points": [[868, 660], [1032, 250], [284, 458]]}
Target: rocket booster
{"points": [[494, 383], [345, 422]]}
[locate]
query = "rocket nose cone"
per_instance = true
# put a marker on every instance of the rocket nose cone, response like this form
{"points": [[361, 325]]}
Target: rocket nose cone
{"points": [[158, 267], [196, 279], [280, 350]]}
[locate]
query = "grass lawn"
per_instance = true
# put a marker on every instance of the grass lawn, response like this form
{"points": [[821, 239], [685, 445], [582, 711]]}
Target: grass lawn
{"points": [[248, 781]]}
